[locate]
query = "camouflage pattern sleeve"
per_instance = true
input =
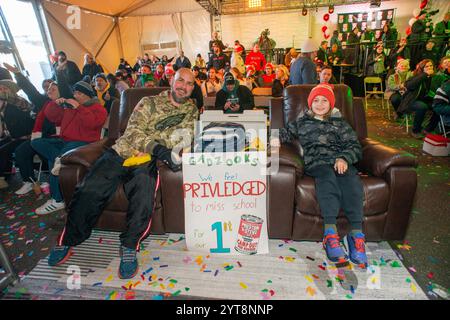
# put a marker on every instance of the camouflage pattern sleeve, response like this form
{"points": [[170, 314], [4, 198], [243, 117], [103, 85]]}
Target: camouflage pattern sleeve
{"points": [[351, 150], [140, 130], [289, 134]]}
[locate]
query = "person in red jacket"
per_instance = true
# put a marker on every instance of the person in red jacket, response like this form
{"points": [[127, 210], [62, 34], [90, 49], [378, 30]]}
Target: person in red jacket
{"points": [[257, 58], [81, 120]]}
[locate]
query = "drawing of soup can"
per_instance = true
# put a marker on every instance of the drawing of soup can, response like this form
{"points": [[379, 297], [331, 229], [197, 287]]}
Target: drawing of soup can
{"points": [[248, 234]]}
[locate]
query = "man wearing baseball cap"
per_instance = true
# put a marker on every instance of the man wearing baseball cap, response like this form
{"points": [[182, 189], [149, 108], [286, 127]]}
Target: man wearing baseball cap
{"points": [[233, 97], [303, 69]]}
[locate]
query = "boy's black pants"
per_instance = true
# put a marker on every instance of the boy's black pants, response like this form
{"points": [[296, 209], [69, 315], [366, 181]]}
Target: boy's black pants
{"points": [[335, 191]]}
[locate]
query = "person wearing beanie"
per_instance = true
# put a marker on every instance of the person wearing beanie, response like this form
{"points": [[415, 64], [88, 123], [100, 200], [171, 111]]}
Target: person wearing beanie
{"points": [[233, 97], [303, 69], [105, 93], [66, 68], [81, 120], [330, 150]]}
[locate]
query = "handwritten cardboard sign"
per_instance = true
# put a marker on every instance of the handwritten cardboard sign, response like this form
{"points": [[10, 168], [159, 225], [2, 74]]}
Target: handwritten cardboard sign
{"points": [[225, 202]]}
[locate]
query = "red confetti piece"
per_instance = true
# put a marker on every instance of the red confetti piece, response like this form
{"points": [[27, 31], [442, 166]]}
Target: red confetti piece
{"points": [[272, 293], [322, 267]]}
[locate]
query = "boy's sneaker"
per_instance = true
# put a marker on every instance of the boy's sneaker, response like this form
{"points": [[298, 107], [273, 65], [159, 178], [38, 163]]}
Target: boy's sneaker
{"points": [[129, 266], [27, 187], [49, 207], [357, 249], [335, 252], [59, 255]]}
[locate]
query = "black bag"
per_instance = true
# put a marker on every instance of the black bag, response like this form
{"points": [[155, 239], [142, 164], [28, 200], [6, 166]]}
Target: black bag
{"points": [[221, 137]]}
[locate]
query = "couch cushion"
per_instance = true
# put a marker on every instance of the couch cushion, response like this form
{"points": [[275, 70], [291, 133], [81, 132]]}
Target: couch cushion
{"points": [[376, 196]]}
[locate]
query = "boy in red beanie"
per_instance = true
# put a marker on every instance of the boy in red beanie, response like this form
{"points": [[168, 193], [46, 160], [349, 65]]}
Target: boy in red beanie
{"points": [[330, 148]]}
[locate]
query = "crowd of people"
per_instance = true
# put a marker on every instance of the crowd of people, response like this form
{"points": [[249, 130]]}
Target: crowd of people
{"points": [[74, 105]]}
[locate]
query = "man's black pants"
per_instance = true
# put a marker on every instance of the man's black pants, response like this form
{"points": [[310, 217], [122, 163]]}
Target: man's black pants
{"points": [[97, 189]]}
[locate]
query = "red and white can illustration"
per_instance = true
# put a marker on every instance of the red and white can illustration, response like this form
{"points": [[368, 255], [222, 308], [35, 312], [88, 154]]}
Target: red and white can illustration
{"points": [[248, 234]]}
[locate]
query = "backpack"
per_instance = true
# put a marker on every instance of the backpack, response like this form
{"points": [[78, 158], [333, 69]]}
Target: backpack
{"points": [[221, 137]]}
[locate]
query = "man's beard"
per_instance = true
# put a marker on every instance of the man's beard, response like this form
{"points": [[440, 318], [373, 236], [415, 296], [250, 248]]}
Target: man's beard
{"points": [[177, 99]]}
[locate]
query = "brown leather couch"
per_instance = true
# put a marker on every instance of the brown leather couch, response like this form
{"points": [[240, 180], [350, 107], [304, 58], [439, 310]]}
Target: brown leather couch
{"points": [[293, 212]]}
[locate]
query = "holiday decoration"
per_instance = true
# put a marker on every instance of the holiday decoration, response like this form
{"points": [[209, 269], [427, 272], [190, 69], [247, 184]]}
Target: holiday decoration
{"points": [[331, 9], [324, 28], [326, 17], [304, 12]]}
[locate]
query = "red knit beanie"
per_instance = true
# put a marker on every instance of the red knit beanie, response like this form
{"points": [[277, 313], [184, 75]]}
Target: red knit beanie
{"points": [[322, 89]]}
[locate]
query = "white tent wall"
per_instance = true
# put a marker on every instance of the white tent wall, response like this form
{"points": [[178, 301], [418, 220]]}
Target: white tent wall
{"points": [[286, 28], [138, 31], [403, 13], [93, 31]]}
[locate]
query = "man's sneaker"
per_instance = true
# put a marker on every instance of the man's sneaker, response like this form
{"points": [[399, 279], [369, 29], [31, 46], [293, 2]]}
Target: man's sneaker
{"points": [[335, 252], [27, 187], [3, 183], [59, 255], [357, 249], [128, 263], [49, 207], [56, 166]]}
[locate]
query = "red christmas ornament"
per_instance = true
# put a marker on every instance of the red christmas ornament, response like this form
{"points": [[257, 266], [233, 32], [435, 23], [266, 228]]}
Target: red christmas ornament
{"points": [[330, 9], [408, 31], [423, 4], [326, 17], [324, 28], [326, 36]]}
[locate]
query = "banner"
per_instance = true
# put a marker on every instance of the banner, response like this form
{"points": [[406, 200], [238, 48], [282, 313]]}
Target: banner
{"points": [[225, 202]]}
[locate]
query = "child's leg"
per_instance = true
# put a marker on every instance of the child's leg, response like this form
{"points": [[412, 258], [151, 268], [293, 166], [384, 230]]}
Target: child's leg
{"points": [[327, 192], [352, 203], [352, 197]]}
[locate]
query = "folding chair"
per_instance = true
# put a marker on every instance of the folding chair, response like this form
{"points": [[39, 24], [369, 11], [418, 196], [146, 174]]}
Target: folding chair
{"points": [[374, 81], [444, 121]]}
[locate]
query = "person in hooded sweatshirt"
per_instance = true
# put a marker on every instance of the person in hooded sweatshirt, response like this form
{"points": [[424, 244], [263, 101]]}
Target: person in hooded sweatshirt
{"points": [[233, 97]]}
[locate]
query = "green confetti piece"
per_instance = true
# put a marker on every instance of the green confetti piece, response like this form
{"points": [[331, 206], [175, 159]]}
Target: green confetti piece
{"points": [[187, 289], [173, 281], [408, 280], [293, 249], [176, 293], [269, 281], [329, 284], [395, 264], [374, 263], [265, 290], [349, 296]]}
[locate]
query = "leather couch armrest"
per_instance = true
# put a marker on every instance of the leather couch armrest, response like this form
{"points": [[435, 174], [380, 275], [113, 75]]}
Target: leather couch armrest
{"points": [[378, 158], [289, 155], [88, 154]]}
